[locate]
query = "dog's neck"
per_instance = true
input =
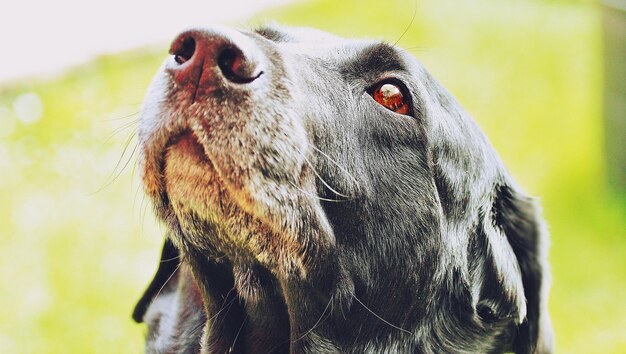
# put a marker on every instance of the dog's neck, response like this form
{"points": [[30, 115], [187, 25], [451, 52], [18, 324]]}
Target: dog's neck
{"points": [[250, 309]]}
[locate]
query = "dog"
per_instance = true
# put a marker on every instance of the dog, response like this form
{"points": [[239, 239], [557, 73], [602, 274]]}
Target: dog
{"points": [[328, 195]]}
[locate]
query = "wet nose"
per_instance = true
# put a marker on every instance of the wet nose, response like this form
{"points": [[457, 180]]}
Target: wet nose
{"points": [[206, 59]]}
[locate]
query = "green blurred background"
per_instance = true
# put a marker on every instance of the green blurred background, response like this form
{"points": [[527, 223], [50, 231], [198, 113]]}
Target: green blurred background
{"points": [[79, 242]]}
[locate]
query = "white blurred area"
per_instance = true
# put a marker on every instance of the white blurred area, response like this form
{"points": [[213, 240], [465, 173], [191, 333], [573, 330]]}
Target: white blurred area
{"points": [[39, 37]]}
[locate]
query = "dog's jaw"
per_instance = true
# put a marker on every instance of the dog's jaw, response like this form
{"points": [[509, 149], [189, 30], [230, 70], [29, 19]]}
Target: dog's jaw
{"points": [[248, 209]]}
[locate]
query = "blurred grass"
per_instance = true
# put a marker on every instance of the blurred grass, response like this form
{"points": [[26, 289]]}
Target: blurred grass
{"points": [[75, 257]]}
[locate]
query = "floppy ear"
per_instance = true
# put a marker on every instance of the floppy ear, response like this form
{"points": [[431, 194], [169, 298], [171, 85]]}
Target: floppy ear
{"points": [[163, 281], [517, 247]]}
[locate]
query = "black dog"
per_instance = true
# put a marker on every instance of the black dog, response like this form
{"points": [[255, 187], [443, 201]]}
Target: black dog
{"points": [[325, 195]]}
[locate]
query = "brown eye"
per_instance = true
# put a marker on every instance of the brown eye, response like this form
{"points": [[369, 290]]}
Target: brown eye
{"points": [[390, 96]]}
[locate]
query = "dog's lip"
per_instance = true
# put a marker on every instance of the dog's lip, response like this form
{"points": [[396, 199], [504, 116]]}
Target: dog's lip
{"points": [[188, 141], [185, 138]]}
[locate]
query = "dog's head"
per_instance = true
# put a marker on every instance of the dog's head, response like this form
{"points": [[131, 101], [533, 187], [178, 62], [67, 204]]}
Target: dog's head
{"points": [[341, 196]]}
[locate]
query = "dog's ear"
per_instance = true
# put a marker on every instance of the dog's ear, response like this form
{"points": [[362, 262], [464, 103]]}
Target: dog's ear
{"points": [[508, 262], [162, 281]]}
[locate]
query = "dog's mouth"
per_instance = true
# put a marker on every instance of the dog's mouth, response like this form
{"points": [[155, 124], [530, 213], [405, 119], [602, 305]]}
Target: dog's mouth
{"points": [[214, 211], [198, 196], [188, 142], [184, 163], [196, 181]]}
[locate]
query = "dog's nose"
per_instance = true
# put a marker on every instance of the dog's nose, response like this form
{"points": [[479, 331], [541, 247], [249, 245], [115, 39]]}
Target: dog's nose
{"points": [[205, 59]]}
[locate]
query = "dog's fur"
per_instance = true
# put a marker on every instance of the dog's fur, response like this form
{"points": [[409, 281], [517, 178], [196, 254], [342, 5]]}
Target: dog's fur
{"points": [[304, 217]]}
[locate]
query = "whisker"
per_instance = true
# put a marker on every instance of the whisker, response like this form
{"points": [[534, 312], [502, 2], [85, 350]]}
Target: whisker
{"points": [[225, 306], [319, 320], [380, 318], [119, 130], [119, 173], [168, 279], [135, 200], [409, 26], [314, 196], [121, 118], [418, 48], [132, 178], [144, 213], [237, 336], [170, 259], [198, 326], [317, 323], [336, 164], [323, 181], [113, 176]]}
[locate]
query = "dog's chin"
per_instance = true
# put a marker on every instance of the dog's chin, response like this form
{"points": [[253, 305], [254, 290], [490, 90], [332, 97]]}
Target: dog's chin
{"points": [[205, 209], [191, 182], [220, 221]]}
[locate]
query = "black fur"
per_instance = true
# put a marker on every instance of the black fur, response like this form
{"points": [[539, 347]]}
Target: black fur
{"points": [[417, 240]]}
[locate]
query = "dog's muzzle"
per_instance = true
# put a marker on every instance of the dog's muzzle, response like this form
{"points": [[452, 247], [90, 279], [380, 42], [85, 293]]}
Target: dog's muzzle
{"points": [[208, 58]]}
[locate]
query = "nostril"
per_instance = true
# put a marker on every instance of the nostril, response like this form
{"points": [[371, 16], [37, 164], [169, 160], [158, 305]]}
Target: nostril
{"points": [[235, 68], [184, 50]]}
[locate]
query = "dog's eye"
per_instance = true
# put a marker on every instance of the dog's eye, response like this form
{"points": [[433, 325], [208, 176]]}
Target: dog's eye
{"points": [[391, 96]]}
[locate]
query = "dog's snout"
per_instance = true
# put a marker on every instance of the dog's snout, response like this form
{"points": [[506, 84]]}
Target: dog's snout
{"points": [[205, 59]]}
